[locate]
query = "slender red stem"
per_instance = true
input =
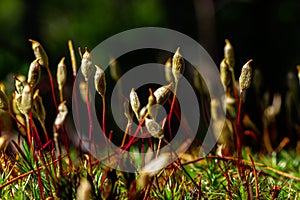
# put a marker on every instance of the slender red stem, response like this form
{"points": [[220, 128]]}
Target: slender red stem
{"points": [[104, 118], [90, 123], [35, 135], [174, 108], [239, 127], [185, 127], [171, 110], [52, 87], [40, 182], [48, 170], [255, 178], [89, 111], [135, 133], [240, 163], [102, 182]]}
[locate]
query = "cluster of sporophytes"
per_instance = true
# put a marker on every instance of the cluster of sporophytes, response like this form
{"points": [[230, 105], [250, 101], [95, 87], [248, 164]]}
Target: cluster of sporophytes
{"points": [[238, 125], [39, 164]]}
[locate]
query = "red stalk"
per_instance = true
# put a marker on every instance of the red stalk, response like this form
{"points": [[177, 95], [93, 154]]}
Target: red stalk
{"points": [[52, 87], [90, 123], [171, 110], [185, 126], [240, 163], [239, 128], [103, 118], [40, 185], [135, 133]]}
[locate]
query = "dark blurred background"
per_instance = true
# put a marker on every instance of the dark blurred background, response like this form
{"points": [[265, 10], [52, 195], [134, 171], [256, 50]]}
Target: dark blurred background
{"points": [[267, 31]]}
